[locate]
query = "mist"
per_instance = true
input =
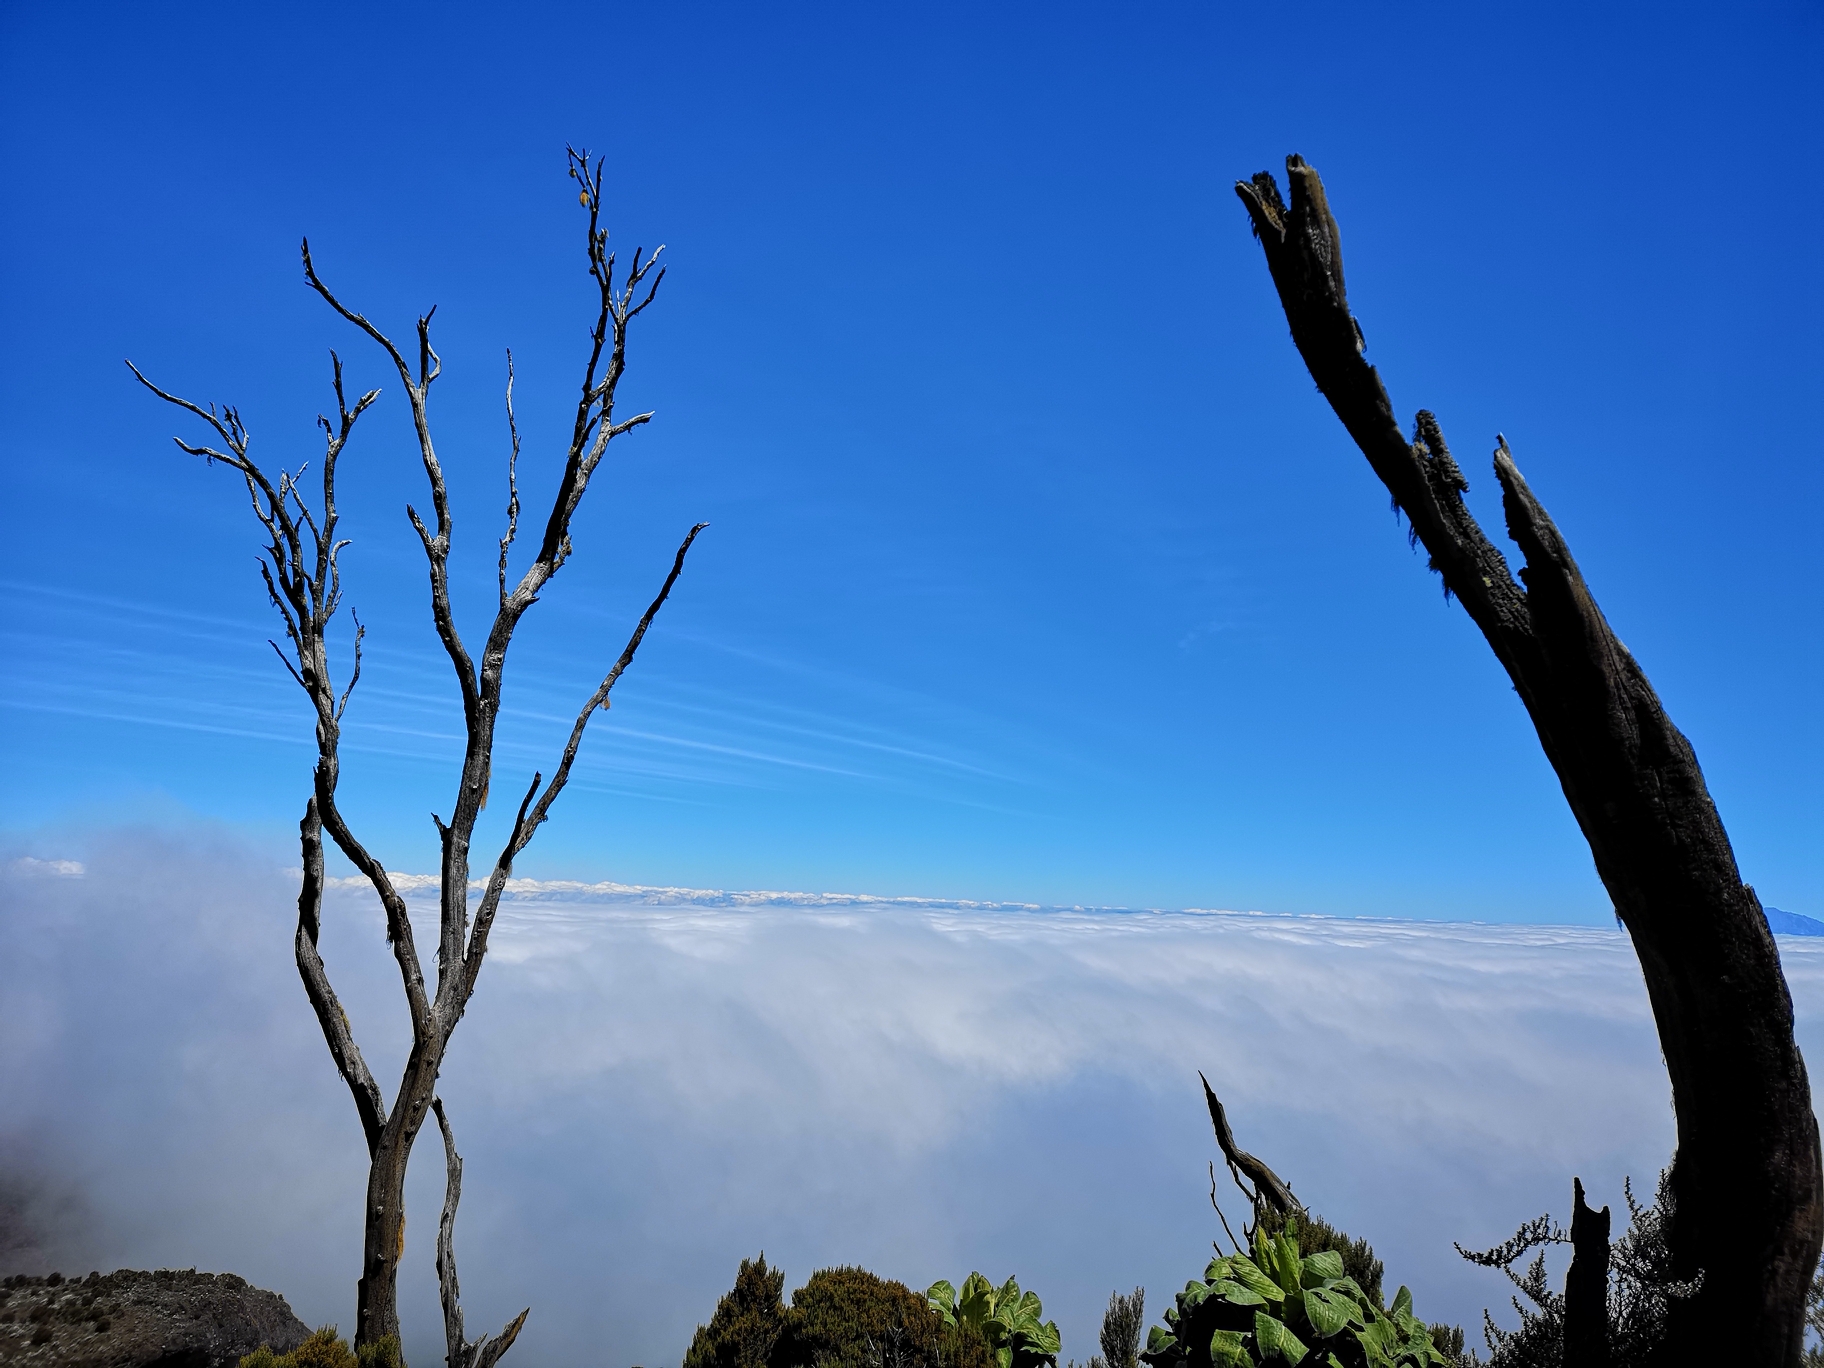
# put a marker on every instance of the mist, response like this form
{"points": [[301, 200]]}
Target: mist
{"points": [[652, 1084]]}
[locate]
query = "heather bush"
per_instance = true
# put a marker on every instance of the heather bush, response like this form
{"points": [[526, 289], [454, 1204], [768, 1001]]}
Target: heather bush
{"points": [[747, 1323], [849, 1318], [1122, 1325]]}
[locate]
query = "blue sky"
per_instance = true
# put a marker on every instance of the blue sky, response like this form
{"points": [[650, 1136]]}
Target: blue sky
{"points": [[1037, 569]]}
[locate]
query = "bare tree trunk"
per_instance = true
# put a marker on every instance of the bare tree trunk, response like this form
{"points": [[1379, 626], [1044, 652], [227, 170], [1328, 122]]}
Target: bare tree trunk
{"points": [[1586, 1286], [1746, 1178], [303, 580], [383, 1243]]}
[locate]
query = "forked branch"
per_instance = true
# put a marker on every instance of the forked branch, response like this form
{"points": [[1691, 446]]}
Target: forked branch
{"points": [[535, 807], [302, 574]]}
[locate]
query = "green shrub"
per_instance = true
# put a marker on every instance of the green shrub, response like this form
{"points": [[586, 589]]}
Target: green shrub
{"points": [[1279, 1306], [1008, 1319], [1448, 1341], [327, 1349], [747, 1322], [1122, 1325], [848, 1318], [382, 1353], [965, 1346]]}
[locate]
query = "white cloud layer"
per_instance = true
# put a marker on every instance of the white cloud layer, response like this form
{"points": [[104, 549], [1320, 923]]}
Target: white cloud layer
{"points": [[652, 1083]]}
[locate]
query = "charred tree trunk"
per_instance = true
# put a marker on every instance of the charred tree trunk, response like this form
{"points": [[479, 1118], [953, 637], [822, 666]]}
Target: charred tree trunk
{"points": [[303, 579], [1746, 1176], [1586, 1286]]}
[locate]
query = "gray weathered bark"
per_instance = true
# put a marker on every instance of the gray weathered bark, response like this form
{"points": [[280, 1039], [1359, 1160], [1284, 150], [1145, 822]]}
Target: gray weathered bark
{"points": [[303, 580], [1747, 1172], [461, 1352]]}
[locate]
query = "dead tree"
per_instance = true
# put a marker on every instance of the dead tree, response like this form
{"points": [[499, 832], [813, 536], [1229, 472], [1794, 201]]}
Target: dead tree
{"points": [[303, 579], [1747, 1214], [1270, 1196]]}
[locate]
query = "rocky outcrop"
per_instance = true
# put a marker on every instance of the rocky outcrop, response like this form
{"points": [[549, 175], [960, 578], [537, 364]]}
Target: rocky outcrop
{"points": [[168, 1319]]}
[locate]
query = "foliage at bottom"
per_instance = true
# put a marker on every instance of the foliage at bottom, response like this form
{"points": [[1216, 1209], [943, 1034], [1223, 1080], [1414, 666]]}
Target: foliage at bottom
{"points": [[1279, 1306], [327, 1349], [1010, 1321], [840, 1318]]}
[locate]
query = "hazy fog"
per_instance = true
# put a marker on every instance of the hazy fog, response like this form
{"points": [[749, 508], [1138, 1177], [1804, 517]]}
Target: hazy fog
{"points": [[649, 1086]]}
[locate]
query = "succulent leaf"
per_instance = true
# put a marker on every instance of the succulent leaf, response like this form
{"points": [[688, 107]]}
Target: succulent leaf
{"points": [[1228, 1349], [1236, 1294], [1320, 1268], [1273, 1340]]}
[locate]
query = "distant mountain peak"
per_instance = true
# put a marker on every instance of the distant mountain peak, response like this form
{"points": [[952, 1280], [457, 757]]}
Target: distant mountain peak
{"points": [[1792, 924]]}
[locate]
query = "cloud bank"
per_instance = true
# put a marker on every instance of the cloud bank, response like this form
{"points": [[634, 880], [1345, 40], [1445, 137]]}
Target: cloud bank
{"points": [[652, 1083]]}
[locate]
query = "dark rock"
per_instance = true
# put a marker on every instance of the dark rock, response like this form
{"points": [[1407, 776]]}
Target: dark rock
{"points": [[173, 1318]]}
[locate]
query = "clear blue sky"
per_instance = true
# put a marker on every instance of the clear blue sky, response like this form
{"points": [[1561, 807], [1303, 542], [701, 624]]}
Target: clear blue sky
{"points": [[1037, 568]]}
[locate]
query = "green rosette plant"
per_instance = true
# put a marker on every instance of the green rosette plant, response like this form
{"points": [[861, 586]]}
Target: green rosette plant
{"points": [[1275, 1308], [1008, 1319]]}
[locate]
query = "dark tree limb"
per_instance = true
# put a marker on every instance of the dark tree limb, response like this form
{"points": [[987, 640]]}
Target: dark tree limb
{"points": [[1586, 1286], [461, 1353], [1746, 1179], [1269, 1189]]}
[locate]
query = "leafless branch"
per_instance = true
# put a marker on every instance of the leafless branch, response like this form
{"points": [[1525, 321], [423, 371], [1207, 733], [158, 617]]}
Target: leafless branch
{"points": [[304, 591], [506, 541], [1219, 1213], [436, 546], [354, 676], [532, 813], [599, 699], [484, 1352]]}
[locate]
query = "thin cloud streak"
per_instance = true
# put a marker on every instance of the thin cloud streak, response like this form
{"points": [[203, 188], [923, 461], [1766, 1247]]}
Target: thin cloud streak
{"points": [[78, 641]]}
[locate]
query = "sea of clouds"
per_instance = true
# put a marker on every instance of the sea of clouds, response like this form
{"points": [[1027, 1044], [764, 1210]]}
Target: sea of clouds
{"points": [[652, 1083]]}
